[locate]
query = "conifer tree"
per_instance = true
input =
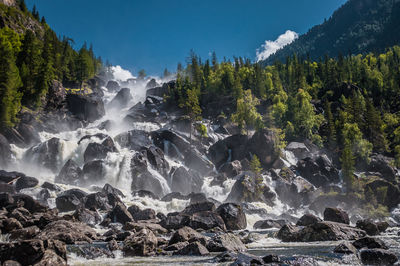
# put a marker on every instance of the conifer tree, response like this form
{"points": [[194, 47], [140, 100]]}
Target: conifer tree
{"points": [[246, 115]]}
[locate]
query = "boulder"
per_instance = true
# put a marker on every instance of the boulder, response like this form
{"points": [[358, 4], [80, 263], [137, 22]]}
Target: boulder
{"points": [[392, 198], [267, 224], [206, 220], [28, 133], [271, 259], [155, 156], [93, 172], [233, 148], [29, 203], [70, 200], [70, 174], [26, 252], [308, 219], [160, 90], [319, 171], [300, 150], [378, 257], [99, 151], [174, 221], [193, 249], [6, 199], [174, 195], [345, 248], [46, 154], [26, 182], [112, 86], [134, 139], [321, 231], [369, 242], [10, 224], [199, 207], [233, 216], [24, 233], [68, 232], [152, 84], [145, 181], [141, 215], [231, 169], [185, 181], [383, 165], [155, 228], [87, 216], [122, 99], [246, 189], [115, 191], [6, 188], [120, 214], [5, 151], [187, 234], [369, 227], [101, 201], [85, 107], [143, 243], [226, 242], [264, 144], [336, 215]]}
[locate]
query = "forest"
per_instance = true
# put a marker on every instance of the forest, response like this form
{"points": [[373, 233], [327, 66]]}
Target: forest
{"points": [[29, 63]]}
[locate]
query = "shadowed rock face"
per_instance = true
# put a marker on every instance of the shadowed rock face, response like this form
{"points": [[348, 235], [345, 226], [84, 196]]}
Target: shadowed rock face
{"points": [[88, 108]]}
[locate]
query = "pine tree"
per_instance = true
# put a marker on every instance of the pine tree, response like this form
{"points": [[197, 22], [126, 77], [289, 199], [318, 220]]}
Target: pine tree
{"points": [[193, 107], [330, 126], [246, 115], [347, 160]]}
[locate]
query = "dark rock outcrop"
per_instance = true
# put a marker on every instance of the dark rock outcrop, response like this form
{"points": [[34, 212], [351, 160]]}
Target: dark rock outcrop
{"points": [[84, 107], [308, 219], [226, 242], [143, 243], [122, 99], [378, 257], [112, 86], [45, 154], [185, 181], [233, 216], [336, 215], [99, 151], [70, 174], [193, 249]]}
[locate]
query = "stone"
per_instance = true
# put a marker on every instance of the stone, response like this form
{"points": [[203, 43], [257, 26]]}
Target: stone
{"points": [[134, 139], [267, 224], [308, 219], [87, 216], [29, 203], [68, 232], [122, 99], [369, 242], [70, 200], [24, 233], [185, 181], [378, 257], [120, 214], [193, 249], [392, 198], [112, 86], [94, 172], [206, 220], [336, 215], [345, 248], [226, 242], [84, 107], [70, 174], [143, 243], [199, 207], [187, 234], [5, 151], [300, 150], [175, 221], [264, 144], [231, 169], [368, 226], [271, 259], [233, 216], [26, 182], [46, 154], [99, 151]]}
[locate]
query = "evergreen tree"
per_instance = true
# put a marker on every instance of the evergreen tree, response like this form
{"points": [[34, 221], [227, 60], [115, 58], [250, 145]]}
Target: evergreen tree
{"points": [[246, 115]]}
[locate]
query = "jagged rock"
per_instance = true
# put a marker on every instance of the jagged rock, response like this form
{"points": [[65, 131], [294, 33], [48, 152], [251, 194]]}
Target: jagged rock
{"points": [[99, 151], [155, 228], [231, 169], [318, 171], [93, 172], [193, 249], [6, 188], [101, 201], [70, 174], [152, 84], [112, 86], [345, 248], [300, 150], [68, 232], [155, 156], [5, 151], [26, 182], [29, 203], [246, 189], [322, 231], [382, 226], [24, 233], [233, 216], [247, 259], [10, 224], [142, 243], [141, 215], [86, 108], [199, 198], [174, 195], [160, 91], [267, 224], [369, 242], [308, 219], [51, 187], [369, 227], [225, 242], [26, 252], [381, 164], [146, 181], [45, 154], [86, 216], [122, 99], [336, 215], [70, 200], [11, 263], [91, 252], [186, 182], [206, 220], [378, 257], [264, 144], [176, 246], [174, 221], [134, 139], [233, 147], [196, 161], [199, 207], [115, 191], [120, 214]]}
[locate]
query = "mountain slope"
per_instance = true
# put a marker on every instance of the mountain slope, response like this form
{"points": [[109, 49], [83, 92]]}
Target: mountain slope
{"points": [[359, 26]]}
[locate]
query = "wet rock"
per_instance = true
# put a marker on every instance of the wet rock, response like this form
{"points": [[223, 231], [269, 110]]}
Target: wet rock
{"points": [[197, 198], [174, 221], [382, 226], [176, 246], [112, 86], [10, 224], [70, 200], [108, 189], [336, 215], [369, 242], [11, 263], [345, 248], [308, 219], [45, 154], [392, 198], [264, 144], [5, 199], [140, 215], [247, 259], [5, 151], [318, 171], [143, 243], [24, 233], [206, 220], [26, 252], [193, 249], [225, 242], [134, 139], [246, 189], [185, 182], [322, 231], [377, 257], [29, 203], [86, 216], [233, 147], [271, 259], [68, 232], [381, 164], [99, 151], [199, 207], [146, 181], [155, 228], [369, 227], [120, 214], [196, 161], [86, 108], [267, 224], [231, 169], [300, 150], [122, 99], [70, 174], [28, 133], [93, 172], [51, 187], [155, 156], [187, 234], [233, 216], [26, 182]]}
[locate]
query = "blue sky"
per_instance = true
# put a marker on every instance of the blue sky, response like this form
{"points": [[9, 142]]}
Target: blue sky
{"points": [[155, 34]]}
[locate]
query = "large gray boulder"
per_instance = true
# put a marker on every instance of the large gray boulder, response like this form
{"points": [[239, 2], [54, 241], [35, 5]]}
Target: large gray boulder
{"points": [[85, 107], [185, 181], [46, 154]]}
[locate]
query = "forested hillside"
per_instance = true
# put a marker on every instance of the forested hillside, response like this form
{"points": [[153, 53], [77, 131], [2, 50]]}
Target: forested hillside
{"points": [[31, 57], [359, 26]]}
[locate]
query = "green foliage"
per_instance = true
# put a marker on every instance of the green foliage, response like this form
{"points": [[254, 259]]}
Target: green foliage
{"points": [[202, 129], [246, 115], [255, 165], [347, 160]]}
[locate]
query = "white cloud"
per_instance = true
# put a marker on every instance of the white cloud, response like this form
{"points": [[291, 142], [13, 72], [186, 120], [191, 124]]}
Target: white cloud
{"points": [[121, 74], [270, 47]]}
